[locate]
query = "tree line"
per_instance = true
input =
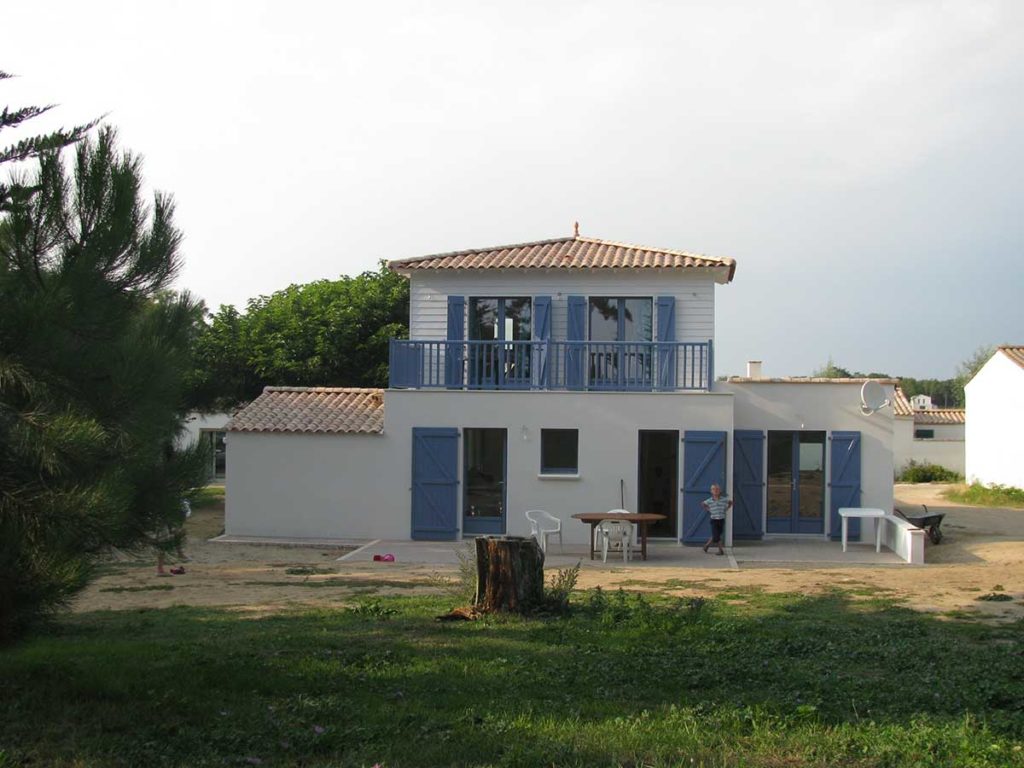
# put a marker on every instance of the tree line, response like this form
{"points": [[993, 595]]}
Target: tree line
{"points": [[324, 333], [945, 393]]}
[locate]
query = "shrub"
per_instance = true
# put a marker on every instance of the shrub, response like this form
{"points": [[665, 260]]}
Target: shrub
{"points": [[927, 473], [563, 582]]}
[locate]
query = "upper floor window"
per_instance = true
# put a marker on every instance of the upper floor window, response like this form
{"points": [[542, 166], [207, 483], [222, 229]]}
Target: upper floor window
{"points": [[504, 319], [621, 319]]}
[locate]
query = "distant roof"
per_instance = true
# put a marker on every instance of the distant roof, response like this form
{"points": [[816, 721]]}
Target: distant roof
{"points": [[804, 380], [901, 408], [1015, 353], [328, 410], [941, 416], [568, 253], [900, 405]]}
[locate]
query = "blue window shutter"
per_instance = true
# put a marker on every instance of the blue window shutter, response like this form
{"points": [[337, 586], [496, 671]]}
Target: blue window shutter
{"points": [[542, 333], [747, 483], [576, 331], [667, 333], [845, 482], [456, 335]]}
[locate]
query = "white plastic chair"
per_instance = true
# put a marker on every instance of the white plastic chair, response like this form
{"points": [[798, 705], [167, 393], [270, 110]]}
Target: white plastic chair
{"points": [[615, 535], [543, 524]]}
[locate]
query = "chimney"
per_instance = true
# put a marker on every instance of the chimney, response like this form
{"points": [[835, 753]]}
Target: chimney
{"points": [[753, 369]]}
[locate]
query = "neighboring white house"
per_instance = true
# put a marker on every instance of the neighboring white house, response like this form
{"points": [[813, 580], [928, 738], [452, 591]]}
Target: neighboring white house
{"points": [[921, 402], [927, 436], [211, 428], [995, 415], [572, 375]]}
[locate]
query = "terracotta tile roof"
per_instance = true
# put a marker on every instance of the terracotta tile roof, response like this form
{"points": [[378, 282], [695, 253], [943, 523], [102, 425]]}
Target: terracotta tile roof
{"points": [[328, 410], [901, 407], [803, 380], [567, 253], [1015, 353], [940, 416]]}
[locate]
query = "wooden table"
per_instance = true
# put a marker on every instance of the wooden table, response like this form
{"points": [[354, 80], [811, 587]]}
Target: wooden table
{"points": [[640, 518]]}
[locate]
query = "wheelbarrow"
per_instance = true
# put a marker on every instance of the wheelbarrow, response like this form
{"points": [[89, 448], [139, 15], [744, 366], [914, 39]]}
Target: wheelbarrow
{"points": [[928, 521]]}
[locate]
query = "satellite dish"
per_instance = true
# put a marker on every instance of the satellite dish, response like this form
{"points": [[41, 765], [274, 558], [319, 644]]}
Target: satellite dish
{"points": [[872, 398]]}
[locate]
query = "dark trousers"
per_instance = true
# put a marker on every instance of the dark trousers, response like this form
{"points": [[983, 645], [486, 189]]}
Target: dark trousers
{"points": [[717, 531]]}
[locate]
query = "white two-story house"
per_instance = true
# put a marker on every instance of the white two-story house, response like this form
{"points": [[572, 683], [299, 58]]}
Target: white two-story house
{"points": [[571, 375]]}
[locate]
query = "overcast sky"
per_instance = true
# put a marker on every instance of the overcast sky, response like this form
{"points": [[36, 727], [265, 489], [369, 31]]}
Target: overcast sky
{"points": [[862, 161]]}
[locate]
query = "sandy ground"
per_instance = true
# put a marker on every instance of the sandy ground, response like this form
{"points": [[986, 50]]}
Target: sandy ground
{"points": [[983, 552]]}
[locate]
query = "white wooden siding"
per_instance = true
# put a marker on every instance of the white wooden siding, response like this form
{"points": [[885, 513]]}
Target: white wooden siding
{"points": [[694, 293]]}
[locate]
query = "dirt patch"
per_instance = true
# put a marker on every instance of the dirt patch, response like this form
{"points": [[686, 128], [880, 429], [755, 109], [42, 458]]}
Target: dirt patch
{"points": [[983, 552]]}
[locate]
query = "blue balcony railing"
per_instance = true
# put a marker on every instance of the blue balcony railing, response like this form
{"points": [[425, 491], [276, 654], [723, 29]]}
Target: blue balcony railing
{"points": [[610, 366]]}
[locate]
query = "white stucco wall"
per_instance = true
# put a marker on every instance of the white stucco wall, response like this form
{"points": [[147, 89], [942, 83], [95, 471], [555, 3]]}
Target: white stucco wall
{"points": [[196, 422], [315, 486], [358, 486], [995, 421], [825, 407], [947, 448]]}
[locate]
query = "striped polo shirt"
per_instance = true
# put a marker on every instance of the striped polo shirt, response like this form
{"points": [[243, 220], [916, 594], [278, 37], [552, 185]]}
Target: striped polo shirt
{"points": [[717, 508]]}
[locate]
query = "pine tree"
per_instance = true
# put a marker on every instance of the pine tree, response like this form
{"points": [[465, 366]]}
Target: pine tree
{"points": [[32, 146], [92, 353]]}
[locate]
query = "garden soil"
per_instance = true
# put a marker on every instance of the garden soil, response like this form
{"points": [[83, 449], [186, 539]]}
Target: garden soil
{"points": [[982, 554]]}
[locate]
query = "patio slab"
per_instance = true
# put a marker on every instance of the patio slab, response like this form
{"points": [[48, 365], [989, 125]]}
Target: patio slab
{"points": [[817, 551], [660, 554]]}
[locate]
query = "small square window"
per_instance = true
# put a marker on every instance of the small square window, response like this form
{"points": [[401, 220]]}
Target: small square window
{"points": [[559, 451]]}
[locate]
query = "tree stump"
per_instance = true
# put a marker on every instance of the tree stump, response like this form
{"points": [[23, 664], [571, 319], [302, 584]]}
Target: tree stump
{"points": [[509, 574]]}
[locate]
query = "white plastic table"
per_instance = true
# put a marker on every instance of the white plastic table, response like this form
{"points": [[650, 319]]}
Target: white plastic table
{"points": [[847, 512]]}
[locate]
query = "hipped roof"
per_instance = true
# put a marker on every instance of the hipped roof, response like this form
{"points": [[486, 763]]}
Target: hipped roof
{"points": [[569, 253]]}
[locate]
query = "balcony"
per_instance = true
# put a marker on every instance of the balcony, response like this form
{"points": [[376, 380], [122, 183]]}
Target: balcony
{"points": [[605, 366]]}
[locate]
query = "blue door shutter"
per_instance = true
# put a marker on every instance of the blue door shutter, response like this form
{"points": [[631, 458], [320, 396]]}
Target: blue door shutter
{"points": [[435, 468], [844, 480], [576, 331], [703, 466], [456, 333], [542, 333], [667, 332], [747, 483]]}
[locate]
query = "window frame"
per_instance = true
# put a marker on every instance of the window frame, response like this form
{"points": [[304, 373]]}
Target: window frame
{"points": [[552, 471], [500, 316], [621, 317]]}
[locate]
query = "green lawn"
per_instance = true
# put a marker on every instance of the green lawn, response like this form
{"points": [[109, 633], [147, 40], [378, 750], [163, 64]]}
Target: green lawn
{"points": [[979, 495], [746, 679]]}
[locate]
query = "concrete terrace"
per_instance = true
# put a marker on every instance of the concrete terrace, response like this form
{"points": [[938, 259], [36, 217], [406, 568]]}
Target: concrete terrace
{"points": [[661, 554]]}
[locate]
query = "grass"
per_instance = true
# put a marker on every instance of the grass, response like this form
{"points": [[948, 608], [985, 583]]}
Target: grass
{"points": [[979, 495], [210, 496], [626, 679]]}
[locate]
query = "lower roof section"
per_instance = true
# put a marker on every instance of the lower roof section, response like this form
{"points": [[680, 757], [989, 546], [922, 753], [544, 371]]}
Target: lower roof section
{"points": [[325, 410]]}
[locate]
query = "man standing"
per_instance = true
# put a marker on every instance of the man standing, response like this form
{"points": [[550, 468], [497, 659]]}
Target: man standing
{"points": [[717, 506]]}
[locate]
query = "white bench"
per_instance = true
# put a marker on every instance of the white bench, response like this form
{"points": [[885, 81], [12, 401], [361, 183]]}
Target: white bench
{"points": [[906, 540], [903, 538]]}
